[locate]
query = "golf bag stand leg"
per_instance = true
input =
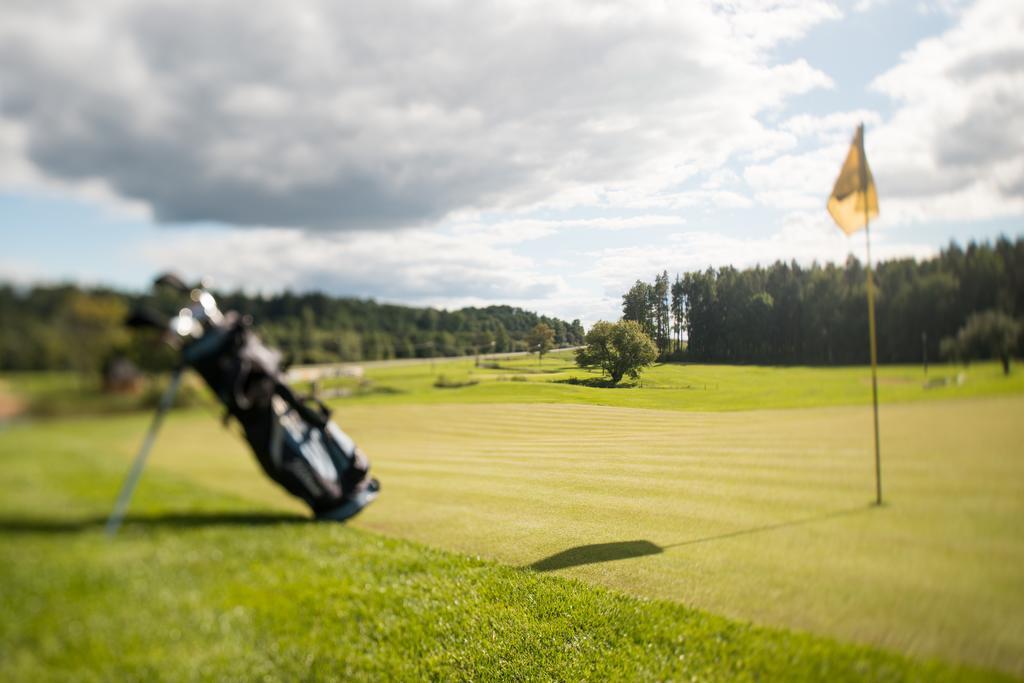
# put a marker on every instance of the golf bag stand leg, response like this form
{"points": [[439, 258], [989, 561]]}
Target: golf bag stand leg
{"points": [[132, 480]]}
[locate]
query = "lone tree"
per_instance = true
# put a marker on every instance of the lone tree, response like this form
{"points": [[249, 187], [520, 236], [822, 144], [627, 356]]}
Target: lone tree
{"points": [[620, 349], [540, 340], [989, 334]]}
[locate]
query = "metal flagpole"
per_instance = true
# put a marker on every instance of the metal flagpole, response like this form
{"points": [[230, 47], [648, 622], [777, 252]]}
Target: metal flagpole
{"points": [[130, 482], [874, 349], [842, 204]]}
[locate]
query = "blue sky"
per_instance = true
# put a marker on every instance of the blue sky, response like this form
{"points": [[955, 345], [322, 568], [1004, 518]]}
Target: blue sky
{"points": [[451, 153]]}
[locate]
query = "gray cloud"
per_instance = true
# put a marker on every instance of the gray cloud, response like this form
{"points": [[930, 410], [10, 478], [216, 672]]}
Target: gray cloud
{"points": [[990, 132], [1007, 60], [361, 115]]}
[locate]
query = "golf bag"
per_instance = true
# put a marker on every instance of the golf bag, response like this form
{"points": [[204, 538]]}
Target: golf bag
{"points": [[293, 437]]}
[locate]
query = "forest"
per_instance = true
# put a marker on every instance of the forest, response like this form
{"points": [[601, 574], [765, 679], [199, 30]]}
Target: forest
{"points": [[784, 313], [66, 327], [817, 315]]}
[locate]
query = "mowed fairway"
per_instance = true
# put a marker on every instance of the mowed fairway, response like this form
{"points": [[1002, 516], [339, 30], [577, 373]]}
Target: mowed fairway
{"points": [[204, 586], [760, 515]]}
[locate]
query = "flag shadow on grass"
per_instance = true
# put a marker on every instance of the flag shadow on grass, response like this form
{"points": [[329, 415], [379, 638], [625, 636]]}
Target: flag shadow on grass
{"points": [[624, 550], [176, 520], [596, 552]]}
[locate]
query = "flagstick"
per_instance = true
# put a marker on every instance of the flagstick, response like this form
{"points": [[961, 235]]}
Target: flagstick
{"points": [[874, 354]]}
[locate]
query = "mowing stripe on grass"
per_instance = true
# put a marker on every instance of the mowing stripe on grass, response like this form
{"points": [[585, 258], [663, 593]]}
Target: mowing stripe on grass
{"points": [[206, 586], [763, 515], [759, 515]]}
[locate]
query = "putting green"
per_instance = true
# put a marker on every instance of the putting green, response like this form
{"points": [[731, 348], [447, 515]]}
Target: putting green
{"points": [[759, 515]]}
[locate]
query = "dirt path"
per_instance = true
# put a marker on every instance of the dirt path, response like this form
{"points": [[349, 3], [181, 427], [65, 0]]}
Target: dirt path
{"points": [[10, 405]]}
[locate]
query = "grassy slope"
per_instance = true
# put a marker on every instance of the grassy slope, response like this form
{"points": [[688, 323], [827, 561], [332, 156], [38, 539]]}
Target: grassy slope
{"points": [[204, 586], [521, 379], [681, 387]]}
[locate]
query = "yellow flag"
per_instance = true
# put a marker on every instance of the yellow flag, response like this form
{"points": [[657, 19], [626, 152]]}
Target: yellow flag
{"points": [[853, 188]]}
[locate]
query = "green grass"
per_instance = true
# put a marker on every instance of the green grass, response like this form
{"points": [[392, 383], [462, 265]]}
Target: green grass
{"points": [[62, 394], [760, 516], [740, 501], [674, 386], [203, 585], [521, 379]]}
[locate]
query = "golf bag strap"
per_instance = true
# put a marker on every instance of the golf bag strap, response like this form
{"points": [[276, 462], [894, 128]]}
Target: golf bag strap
{"points": [[300, 404], [324, 410]]}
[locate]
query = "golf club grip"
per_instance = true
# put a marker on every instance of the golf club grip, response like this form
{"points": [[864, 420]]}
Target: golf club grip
{"points": [[145, 317]]}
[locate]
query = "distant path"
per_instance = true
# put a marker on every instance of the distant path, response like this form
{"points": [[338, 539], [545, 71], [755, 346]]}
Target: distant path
{"points": [[352, 367], [442, 359]]}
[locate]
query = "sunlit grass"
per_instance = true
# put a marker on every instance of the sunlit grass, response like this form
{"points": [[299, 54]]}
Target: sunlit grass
{"points": [[673, 386], [200, 585], [739, 500]]}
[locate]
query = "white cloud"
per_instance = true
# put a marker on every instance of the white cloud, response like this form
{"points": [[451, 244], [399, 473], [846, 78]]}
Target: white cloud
{"points": [[767, 22], [952, 150], [482, 120], [805, 237], [517, 230], [950, 7], [834, 127], [866, 5], [954, 147], [797, 181], [317, 114], [413, 266], [21, 274]]}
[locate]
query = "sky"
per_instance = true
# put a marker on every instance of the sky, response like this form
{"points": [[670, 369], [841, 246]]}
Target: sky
{"points": [[451, 153]]}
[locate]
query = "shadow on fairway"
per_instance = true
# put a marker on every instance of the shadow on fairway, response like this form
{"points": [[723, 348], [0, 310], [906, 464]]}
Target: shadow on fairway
{"points": [[624, 550], [51, 525], [596, 552]]}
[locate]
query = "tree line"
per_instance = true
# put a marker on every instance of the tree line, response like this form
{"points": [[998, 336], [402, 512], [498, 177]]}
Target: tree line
{"points": [[788, 314], [69, 327]]}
